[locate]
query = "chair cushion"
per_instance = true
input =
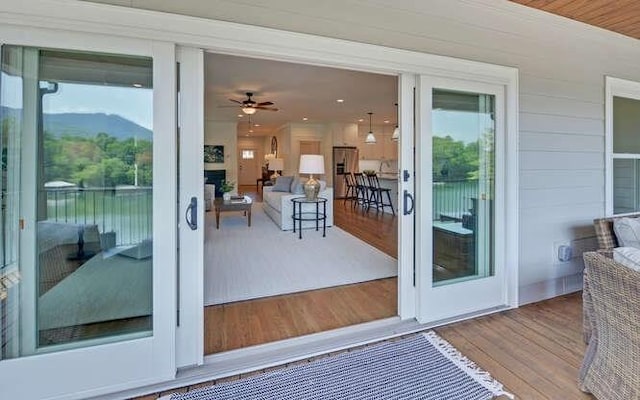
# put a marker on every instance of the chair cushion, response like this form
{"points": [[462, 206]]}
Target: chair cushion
{"points": [[283, 184], [627, 232], [627, 256]]}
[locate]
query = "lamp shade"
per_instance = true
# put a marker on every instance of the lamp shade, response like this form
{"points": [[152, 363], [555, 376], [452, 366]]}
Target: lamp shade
{"points": [[396, 134], [276, 164], [311, 164], [370, 139]]}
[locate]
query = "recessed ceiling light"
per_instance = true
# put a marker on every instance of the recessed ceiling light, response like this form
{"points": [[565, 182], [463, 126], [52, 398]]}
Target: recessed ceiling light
{"points": [[256, 125], [386, 121], [137, 85], [250, 130], [361, 120], [340, 100], [305, 119], [240, 115]]}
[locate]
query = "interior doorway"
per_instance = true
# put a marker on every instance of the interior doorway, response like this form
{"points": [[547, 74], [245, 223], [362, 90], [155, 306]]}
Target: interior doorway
{"points": [[261, 282], [248, 165]]}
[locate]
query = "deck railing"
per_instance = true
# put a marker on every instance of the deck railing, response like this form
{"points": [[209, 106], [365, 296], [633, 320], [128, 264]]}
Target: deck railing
{"points": [[126, 211], [452, 199]]}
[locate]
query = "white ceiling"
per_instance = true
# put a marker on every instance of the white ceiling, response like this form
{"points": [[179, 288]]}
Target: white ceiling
{"points": [[298, 91]]}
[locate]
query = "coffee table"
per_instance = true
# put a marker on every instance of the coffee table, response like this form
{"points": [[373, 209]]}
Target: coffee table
{"points": [[231, 205]]}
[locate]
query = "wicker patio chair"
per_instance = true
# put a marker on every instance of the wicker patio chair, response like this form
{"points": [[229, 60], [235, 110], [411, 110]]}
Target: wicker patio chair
{"points": [[607, 240], [611, 365]]}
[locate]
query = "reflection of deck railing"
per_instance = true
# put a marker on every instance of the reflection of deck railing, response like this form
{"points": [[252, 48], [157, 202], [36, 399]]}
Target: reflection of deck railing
{"points": [[452, 199], [126, 211]]}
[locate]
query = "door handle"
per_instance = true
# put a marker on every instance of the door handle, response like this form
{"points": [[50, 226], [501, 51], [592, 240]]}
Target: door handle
{"points": [[405, 197], [191, 215]]}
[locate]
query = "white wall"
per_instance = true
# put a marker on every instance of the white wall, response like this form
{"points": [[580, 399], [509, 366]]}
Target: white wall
{"points": [[224, 134], [562, 65]]}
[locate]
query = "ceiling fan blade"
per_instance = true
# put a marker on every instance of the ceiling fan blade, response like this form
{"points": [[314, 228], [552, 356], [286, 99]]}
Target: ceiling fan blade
{"points": [[265, 103], [266, 108], [229, 106], [236, 101]]}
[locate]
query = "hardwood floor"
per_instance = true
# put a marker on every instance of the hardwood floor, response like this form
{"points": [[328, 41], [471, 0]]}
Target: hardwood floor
{"points": [[376, 228], [246, 323], [535, 351]]}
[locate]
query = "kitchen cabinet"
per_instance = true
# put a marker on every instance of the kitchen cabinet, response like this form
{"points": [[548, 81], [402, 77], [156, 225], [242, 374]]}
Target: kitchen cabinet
{"points": [[384, 148], [345, 134]]}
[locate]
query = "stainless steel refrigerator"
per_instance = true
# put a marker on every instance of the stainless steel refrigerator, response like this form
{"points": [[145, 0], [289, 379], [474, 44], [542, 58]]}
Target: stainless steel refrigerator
{"points": [[345, 160]]}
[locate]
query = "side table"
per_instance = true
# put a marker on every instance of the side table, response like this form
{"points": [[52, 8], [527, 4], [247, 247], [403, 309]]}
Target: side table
{"points": [[300, 215]]}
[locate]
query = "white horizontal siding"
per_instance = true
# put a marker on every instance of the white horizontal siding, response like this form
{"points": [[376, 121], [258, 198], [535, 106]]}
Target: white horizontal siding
{"points": [[561, 161], [530, 122], [562, 65], [549, 179], [554, 142]]}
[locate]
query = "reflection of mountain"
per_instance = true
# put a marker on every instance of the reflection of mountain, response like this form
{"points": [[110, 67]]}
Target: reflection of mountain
{"points": [[88, 125]]}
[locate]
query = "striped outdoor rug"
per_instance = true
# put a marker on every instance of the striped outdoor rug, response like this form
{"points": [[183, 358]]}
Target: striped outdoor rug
{"points": [[423, 366]]}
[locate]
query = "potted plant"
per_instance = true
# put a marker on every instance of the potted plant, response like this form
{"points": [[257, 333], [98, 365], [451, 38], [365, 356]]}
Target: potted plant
{"points": [[226, 187]]}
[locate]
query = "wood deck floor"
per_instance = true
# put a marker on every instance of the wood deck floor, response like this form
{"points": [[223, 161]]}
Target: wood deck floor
{"points": [[535, 351]]}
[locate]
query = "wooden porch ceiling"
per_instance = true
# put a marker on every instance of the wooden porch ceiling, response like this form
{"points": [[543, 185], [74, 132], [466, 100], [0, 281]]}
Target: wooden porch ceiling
{"points": [[621, 16]]}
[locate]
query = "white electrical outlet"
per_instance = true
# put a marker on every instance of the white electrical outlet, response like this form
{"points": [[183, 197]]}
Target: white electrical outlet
{"points": [[562, 252]]}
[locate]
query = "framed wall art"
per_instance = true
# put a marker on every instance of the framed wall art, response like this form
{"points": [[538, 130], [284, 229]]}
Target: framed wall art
{"points": [[213, 154]]}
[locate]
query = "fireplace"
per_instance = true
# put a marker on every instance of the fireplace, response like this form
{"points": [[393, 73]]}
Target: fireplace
{"points": [[215, 177]]}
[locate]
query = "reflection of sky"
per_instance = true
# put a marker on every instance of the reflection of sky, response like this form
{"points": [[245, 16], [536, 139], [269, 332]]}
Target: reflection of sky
{"points": [[134, 104], [460, 125], [10, 91]]}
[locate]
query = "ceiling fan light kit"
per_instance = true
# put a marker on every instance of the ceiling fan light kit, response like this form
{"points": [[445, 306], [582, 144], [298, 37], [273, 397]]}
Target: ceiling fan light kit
{"points": [[370, 139], [250, 107]]}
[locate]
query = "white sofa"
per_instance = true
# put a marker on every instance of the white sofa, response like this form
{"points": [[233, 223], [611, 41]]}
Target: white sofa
{"points": [[278, 206]]}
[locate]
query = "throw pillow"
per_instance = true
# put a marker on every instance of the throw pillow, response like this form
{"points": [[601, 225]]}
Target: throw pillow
{"points": [[283, 184], [627, 256], [627, 232], [297, 185]]}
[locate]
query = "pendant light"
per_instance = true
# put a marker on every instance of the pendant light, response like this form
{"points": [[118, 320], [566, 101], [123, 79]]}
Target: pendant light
{"points": [[396, 132], [370, 139]]}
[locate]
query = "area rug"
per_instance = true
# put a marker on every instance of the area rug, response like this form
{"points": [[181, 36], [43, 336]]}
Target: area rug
{"points": [[243, 262], [422, 366]]}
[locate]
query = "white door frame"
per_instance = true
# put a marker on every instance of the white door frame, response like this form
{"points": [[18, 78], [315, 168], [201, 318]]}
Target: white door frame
{"points": [[90, 371], [252, 41], [190, 332]]}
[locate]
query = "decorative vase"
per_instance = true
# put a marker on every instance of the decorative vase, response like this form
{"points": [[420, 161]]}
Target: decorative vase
{"points": [[226, 196]]}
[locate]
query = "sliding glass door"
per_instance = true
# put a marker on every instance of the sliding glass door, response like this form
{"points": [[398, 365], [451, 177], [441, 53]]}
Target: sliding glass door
{"points": [[87, 280], [461, 147]]}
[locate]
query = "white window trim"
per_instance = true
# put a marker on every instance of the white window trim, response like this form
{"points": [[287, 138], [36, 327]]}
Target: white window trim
{"points": [[615, 87]]}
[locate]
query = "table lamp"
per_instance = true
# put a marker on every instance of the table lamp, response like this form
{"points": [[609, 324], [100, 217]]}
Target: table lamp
{"points": [[276, 164], [311, 164]]}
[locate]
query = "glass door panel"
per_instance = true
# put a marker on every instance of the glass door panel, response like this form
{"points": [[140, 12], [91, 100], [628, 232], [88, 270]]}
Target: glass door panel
{"points": [[462, 134], [77, 210], [463, 142]]}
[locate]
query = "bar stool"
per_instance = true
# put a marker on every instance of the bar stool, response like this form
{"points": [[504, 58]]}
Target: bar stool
{"points": [[376, 194], [362, 190], [351, 193]]}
